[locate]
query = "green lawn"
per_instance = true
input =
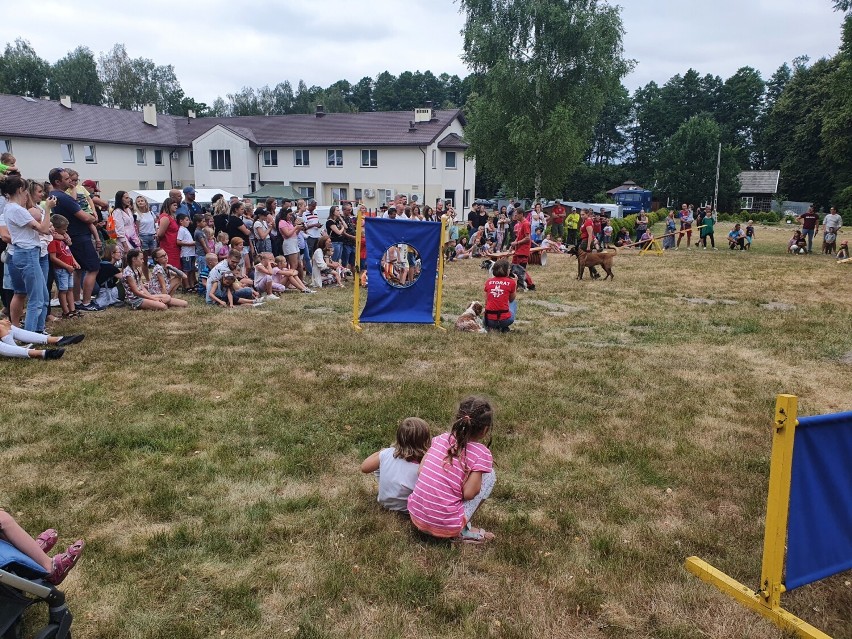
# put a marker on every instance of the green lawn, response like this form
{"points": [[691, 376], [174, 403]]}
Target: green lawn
{"points": [[210, 458]]}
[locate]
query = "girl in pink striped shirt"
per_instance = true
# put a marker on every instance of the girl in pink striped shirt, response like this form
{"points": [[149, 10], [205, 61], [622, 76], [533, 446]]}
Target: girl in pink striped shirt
{"points": [[456, 476]]}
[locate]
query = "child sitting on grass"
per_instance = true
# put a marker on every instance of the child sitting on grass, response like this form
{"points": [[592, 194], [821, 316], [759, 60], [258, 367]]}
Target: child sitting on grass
{"points": [[397, 467], [288, 277], [210, 260], [57, 567], [263, 282], [456, 476], [227, 292]]}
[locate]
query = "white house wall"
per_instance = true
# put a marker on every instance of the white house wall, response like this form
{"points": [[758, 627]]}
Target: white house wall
{"points": [[115, 167], [243, 161]]}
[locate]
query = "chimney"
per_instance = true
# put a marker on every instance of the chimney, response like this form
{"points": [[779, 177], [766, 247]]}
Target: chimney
{"points": [[149, 114], [423, 115], [320, 110], [65, 100], [45, 97], [428, 104], [411, 127], [190, 114]]}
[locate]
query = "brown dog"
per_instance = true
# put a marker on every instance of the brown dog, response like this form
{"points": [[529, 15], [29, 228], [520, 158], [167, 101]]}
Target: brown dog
{"points": [[469, 322], [590, 259]]}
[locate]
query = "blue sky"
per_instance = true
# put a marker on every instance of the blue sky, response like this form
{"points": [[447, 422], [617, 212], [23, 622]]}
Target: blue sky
{"points": [[217, 47]]}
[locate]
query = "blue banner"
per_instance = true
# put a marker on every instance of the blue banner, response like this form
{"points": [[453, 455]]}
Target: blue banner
{"points": [[819, 529], [402, 266]]}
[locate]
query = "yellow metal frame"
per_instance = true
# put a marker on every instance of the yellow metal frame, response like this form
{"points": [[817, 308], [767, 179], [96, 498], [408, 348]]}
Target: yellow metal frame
{"points": [[356, 297], [767, 601], [653, 247]]}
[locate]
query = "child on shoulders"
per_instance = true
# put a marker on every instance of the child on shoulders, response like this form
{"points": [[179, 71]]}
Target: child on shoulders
{"points": [[397, 467], [456, 476]]}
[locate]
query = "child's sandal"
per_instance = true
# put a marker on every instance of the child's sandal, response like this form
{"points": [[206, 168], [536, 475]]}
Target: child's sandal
{"points": [[64, 562], [473, 536], [47, 540]]}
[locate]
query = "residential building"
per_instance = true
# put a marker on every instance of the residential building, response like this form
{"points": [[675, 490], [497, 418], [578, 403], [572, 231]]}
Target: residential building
{"points": [[757, 189], [369, 157]]}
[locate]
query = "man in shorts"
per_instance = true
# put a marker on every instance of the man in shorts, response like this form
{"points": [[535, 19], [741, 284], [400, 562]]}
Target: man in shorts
{"points": [[85, 240]]}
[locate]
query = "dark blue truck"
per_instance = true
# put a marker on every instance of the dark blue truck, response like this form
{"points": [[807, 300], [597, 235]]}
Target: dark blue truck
{"points": [[634, 200]]}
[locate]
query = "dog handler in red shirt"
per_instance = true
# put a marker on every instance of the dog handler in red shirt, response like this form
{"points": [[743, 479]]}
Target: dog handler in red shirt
{"points": [[521, 246]]}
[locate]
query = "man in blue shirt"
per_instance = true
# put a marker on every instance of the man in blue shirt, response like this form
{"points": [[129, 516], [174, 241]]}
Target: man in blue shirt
{"points": [[190, 207], [84, 238]]}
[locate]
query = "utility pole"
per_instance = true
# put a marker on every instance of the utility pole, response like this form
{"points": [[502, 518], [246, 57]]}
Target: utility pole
{"points": [[716, 191]]}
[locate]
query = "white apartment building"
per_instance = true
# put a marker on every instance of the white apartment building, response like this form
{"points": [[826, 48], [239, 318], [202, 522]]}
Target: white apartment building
{"points": [[369, 157]]}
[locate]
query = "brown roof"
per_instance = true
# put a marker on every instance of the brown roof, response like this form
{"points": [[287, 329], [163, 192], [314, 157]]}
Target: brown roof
{"points": [[30, 118], [452, 141]]}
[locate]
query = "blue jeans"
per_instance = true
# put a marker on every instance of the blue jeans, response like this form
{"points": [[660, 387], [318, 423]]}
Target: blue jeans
{"points": [[29, 275], [336, 251], [808, 233], [348, 256], [306, 254]]}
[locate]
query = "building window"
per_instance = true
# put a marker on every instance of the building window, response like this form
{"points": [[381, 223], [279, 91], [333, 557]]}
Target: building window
{"points": [[359, 195], [143, 185], [5, 146], [338, 195], [385, 196], [191, 157], [451, 196], [220, 159], [746, 203], [335, 157], [161, 185], [450, 160], [369, 157], [67, 151], [434, 159], [158, 157], [89, 154], [270, 157], [466, 203], [301, 157], [306, 192], [140, 156]]}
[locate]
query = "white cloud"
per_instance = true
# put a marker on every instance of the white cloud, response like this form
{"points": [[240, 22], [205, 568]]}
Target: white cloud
{"points": [[217, 47]]}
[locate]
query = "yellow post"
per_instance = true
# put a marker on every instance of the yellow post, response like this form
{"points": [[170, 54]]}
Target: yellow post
{"points": [[778, 500], [767, 601], [439, 295], [356, 297]]}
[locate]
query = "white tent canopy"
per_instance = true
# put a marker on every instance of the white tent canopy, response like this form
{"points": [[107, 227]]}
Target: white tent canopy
{"points": [[202, 196]]}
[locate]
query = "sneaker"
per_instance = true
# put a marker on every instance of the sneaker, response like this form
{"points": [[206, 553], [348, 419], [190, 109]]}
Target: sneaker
{"points": [[64, 562], [258, 303], [47, 540], [67, 340], [55, 353], [309, 290], [273, 297], [55, 302], [90, 307], [78, 305]]}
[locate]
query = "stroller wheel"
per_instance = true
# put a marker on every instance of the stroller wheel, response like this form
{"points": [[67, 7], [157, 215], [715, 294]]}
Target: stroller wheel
{"points": [[14, 632], [53, 632]]}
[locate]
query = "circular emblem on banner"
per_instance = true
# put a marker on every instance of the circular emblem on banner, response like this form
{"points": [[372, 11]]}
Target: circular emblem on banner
{"points": [[401, 265]]}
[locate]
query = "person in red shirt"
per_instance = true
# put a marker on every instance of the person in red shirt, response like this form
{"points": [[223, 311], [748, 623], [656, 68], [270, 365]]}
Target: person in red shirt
{"points": [[521, 247], [557, 221], [499, 297], [587, 230]]}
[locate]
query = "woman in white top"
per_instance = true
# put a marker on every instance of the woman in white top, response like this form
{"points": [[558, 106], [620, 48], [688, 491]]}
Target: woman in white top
{"points": [[324, 268], [147, 231], [29, 266], [127, 237]]}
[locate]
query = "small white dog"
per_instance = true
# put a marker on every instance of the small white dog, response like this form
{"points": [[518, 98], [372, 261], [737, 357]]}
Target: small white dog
{"points": [[469, 321]]}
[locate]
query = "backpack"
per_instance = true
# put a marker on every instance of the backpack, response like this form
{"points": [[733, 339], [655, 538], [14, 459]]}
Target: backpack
{"points": [[110, 226]]}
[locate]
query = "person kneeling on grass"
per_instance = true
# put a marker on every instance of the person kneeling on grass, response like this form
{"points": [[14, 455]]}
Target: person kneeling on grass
{"points": [[736, 238], [57, 567], [397, 467], [226, 292], [456, 476], [500, 298], [10, 334]]}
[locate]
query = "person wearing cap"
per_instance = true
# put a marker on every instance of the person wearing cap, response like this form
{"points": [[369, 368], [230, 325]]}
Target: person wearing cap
{"points": [[190, 207], [572, 223]]}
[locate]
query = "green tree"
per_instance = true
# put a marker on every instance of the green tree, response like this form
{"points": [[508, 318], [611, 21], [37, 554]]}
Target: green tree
{"points": [[76, 75], [384, 93], [546, 67], [610, 134], [739, 113], [22, 71], [131, 83], [687, 167], [362, 95]]}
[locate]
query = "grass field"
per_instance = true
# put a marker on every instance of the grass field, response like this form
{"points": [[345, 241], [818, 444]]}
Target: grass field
{"points": [[210, 458]]}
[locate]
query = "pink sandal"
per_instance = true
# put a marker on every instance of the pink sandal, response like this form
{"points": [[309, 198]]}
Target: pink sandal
{"points": [[47, 539], [63, 563]]}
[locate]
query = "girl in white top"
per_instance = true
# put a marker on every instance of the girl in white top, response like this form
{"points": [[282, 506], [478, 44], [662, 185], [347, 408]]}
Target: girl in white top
{"points": [[397, 467], [323, 266]]}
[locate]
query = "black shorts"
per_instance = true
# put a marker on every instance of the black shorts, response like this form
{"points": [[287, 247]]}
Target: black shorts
{"points": [[83, 250]]}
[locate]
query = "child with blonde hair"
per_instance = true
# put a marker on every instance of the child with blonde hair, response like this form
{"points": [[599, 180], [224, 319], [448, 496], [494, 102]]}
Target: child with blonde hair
{"points": [[398, 466], [222, 246], [288, 277]]}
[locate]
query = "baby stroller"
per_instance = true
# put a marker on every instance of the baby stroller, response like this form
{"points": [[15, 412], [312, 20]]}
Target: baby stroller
{"points": [[22, 585]]}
